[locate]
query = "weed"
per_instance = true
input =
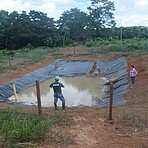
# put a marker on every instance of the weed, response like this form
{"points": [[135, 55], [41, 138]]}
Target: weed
{"points": [[59, 138], [136, 119], [20, 129], [61, 119]]}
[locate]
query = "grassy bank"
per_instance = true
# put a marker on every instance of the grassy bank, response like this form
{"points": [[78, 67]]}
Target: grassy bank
{"points": [[23, 129], [16, 58]]}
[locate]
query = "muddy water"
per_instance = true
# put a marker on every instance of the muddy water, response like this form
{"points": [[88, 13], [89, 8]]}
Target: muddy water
{"points": [[80, 90]]}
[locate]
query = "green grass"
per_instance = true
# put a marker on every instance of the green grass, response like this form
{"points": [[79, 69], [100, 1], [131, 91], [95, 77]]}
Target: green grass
{"points": [[136, 119], [24, 129], [2, 69], [28, 56], [137, 52], [34, 54], [110, 48], [61, 119], [131, 47], [56, 54], [58, 138], [135, 46]]}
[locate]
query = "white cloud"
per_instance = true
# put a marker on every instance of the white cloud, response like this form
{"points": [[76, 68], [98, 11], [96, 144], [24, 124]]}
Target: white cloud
{"points": [[128, 12], [53, 8], [132, 20], [131, 13], [141, 3], [8, 5], [14, 5], [57, 1]]}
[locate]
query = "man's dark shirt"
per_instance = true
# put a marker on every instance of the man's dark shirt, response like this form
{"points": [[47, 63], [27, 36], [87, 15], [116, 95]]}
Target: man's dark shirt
{"points": [[56, 87]]}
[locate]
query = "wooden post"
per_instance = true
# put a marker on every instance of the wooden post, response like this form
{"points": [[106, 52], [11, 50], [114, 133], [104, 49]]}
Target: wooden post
{"points": [[38, 97], [121, 34], [111, 100], [74, 52], [9, 60]]}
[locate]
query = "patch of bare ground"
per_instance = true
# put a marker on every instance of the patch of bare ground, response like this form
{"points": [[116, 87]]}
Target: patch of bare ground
{"points": [[90, 127]]}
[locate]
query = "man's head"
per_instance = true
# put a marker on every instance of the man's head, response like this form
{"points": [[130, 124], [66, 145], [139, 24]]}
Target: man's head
{"points": [[56, 78]]}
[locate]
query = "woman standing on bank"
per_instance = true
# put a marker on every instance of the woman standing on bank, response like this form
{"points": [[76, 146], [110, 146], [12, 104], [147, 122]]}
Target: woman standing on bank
{"points": [[133, 74]]}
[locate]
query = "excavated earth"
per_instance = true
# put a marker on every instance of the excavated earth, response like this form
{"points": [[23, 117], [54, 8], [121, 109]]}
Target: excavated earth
{"points": [[91, 127]]}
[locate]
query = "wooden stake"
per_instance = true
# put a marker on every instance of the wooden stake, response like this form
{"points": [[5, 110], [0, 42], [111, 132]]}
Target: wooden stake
{"points": [[38, 97], [111, 100]]}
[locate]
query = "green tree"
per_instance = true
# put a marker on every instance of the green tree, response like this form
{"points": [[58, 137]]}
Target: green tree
{"points": [[73, 25], [3, 27], [101, 15], [44, 28], [19, 30]]}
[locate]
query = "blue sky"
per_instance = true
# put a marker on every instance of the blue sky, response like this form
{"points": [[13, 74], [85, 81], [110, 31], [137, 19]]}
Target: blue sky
{"points": [[128, 12]]}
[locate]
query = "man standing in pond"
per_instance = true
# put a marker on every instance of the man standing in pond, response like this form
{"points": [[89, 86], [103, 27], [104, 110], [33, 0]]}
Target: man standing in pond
{"points": [[56, 85]]}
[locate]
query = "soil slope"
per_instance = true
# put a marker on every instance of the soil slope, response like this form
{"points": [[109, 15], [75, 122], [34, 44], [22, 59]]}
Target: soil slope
{"points": [[91, 126]]}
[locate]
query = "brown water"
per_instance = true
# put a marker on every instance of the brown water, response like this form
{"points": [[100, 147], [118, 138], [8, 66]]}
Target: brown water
{"points": [[80, 90]]}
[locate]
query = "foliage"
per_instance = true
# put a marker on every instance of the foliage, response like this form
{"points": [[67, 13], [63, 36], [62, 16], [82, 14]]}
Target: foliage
{"points": [[110, 48], [17, 127], [101, 12], [34, 54], [135, 46], [35, 29], [136, 119], [61, 119], [90, 43], [21, 128], [6, 52], [2, 69], [58, 138], [30, 55], [19, 30], [24, 56]]}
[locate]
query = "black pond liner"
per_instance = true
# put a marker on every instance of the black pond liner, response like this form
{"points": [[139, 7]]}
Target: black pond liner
{"points": [[115, 69]]}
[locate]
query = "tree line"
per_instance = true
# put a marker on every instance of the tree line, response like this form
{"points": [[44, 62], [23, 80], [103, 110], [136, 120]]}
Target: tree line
{"points": [[18, 30]]}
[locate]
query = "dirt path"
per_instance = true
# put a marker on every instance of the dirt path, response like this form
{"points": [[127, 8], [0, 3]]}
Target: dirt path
{"points": [[91, 127]]}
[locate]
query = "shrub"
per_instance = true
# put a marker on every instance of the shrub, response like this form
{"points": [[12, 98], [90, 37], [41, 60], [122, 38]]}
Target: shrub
{"points": [[90, 43]]}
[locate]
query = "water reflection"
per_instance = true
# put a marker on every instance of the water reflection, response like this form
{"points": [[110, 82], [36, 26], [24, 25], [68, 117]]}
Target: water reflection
{"points": [[80, 90]]}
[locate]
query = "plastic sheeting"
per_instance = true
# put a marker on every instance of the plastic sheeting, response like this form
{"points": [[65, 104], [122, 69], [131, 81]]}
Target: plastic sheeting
{"points": [[115, 69]]}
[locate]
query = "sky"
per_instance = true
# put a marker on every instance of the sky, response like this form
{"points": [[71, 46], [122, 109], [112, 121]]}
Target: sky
{"points": [[127, 13]]}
